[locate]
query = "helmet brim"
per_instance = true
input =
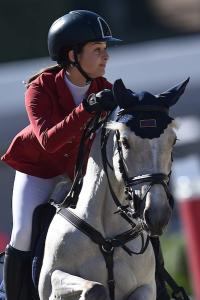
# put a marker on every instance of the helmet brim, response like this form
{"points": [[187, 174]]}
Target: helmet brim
{"points": [[112, 40]]}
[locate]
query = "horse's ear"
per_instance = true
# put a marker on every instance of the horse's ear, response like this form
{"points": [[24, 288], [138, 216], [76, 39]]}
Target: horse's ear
{"points": [[119, 89], [171, 96], [123, 96]]}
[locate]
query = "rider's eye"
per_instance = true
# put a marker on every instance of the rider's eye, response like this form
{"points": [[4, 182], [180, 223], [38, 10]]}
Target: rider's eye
{"points": [[125, 143]]}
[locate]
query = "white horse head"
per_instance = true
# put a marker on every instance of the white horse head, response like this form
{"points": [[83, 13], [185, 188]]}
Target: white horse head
{"points": [[143, 152]]}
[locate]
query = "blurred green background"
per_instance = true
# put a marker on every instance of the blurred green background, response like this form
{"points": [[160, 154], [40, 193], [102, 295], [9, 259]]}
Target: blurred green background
{"points": [[175, 256]]}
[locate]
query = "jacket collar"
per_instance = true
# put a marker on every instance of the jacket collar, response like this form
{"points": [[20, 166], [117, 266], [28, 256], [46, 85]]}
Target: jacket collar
{"points": [[65, 97]]}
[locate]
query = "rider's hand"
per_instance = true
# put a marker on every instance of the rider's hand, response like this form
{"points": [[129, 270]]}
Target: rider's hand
{"points": [[102, 101]]}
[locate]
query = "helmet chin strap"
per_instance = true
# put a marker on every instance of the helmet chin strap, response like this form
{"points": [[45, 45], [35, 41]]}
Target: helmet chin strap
{"points": [[78, 66]]}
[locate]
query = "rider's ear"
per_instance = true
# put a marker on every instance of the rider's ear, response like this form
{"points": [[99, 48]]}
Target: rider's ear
{"points": [[171, 96], [71, 56]]}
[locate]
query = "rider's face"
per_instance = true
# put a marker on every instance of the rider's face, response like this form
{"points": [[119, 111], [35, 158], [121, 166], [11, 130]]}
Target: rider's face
{"points": [[93, 58]]}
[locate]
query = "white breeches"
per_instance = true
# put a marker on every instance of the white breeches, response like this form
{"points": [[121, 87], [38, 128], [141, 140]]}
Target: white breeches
{"points": [[28, 193]]}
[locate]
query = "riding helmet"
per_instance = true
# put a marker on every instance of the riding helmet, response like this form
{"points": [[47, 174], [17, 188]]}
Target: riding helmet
{"points": [[76, 28]]}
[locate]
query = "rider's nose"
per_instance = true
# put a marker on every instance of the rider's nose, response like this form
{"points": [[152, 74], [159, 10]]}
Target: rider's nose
{"points": [[106, 55]]}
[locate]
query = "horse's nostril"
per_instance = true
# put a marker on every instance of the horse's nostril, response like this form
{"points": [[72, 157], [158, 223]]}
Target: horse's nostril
{"points": [[153, 226]]}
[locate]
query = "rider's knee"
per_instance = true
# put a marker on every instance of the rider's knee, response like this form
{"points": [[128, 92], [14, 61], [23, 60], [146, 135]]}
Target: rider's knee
{"points": [[21, 239]]}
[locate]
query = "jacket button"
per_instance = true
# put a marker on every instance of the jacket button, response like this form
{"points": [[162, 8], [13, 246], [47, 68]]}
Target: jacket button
{"points": [[66, 155]]}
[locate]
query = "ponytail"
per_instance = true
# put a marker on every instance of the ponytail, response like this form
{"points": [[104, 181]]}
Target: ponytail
{"points": [[53, 69], [63, 63]]}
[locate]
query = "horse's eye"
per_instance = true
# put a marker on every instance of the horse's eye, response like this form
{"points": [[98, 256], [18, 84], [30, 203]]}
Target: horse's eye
{"points": [[125, 143], [174, 142]]}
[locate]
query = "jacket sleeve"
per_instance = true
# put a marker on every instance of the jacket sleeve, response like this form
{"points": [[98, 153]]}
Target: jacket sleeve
{"points": [[40, 106]]}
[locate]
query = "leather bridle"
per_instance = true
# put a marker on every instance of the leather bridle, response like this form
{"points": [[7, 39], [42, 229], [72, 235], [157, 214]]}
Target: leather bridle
{"points": [[152, 179], [130, 182]]}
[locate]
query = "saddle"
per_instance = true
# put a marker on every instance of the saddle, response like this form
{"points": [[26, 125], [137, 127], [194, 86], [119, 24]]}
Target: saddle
{"points": [[42, 218]]}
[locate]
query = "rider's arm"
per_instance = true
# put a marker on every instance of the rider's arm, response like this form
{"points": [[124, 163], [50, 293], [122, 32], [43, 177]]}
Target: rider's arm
{"points": [[42, 108]]}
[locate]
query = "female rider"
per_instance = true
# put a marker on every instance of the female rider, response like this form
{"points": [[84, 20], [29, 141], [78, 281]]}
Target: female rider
{"points": [[59, 102]]}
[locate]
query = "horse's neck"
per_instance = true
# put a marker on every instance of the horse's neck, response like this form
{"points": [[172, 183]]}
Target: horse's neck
{"points": [[95, 204]]}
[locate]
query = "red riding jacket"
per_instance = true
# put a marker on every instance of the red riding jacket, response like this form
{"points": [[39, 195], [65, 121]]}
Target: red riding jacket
{"points": [[48, 146]]}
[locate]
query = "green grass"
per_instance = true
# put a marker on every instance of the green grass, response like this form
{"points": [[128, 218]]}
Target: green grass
{"points": [[174, 252]]}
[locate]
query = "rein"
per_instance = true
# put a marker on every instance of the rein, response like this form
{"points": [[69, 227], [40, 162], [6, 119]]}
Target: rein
{"points": [[72, 197], [123, 210]]}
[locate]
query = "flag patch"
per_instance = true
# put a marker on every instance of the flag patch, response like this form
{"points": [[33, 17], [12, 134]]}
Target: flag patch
{"points": [[148, 123]]}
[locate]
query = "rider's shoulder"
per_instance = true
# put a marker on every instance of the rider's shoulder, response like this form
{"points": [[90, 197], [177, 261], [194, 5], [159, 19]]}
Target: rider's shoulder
{"points": [[46, 79]]}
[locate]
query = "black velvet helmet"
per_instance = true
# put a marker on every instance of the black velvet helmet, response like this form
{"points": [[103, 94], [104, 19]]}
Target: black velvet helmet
{"points": [[76, 28]]}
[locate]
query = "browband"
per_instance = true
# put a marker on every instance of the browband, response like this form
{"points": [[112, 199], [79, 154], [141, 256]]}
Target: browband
{"points": [[143, 108]]}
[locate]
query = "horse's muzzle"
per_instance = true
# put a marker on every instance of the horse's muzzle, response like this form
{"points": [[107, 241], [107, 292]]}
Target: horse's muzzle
{"points": [[156, 226]]}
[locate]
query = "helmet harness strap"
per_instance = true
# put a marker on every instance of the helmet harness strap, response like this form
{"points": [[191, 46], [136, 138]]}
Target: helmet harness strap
{"points": [[78, 66]]}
